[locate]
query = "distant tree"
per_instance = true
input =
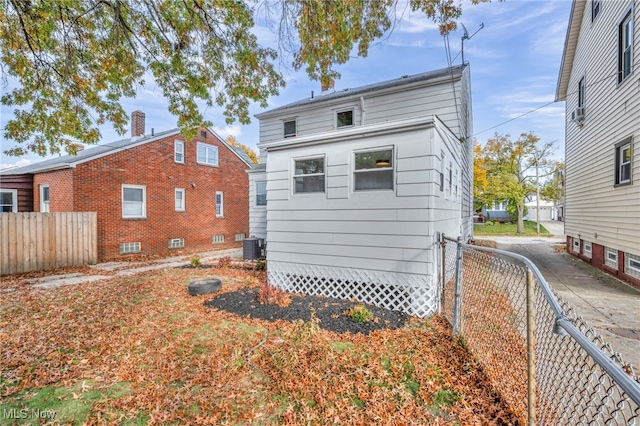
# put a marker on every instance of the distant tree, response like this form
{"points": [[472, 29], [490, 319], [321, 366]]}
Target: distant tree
{"points": [[251, 153], [553, 189], [511, 170], [480, 181], [73, 61]]}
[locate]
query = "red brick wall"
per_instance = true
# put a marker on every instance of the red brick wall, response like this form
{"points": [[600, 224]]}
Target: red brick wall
{"points": [[61, 193], [598, 261], [98, 187]]}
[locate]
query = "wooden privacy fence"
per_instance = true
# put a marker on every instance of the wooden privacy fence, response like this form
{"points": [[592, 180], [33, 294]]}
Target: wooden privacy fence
{"points": [[39, 241]]}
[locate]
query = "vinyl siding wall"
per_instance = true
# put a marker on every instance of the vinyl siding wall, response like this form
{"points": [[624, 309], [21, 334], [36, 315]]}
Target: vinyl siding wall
{"points": [[390, 231], [612, 114], [257, 214]]}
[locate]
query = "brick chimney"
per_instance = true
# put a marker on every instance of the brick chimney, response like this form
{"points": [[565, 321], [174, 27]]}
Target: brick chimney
{"points": [[137, 124]]}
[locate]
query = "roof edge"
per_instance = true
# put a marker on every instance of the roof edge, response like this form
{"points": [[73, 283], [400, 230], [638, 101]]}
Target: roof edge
{"points": [[570, 44]]}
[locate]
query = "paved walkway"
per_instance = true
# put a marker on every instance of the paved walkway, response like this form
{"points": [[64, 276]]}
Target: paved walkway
{"points": [[127, 268], [609, 306]]}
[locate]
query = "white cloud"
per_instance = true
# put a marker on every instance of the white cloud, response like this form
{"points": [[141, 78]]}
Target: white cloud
{"points": [[19, 163], [224, 132]]}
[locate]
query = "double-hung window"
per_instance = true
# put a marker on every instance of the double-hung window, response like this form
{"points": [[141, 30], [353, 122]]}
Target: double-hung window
{"points": [[625, 47], [261, 193], [179, 200], [207, 154], [44, 198], [8, 201], [373, 170], [623, 162], [178, 152], [308, 175], [134, 201], [219, 204]]}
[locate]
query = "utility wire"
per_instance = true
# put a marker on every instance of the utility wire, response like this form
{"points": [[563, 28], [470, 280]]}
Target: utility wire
{"points": [[589, 85]]}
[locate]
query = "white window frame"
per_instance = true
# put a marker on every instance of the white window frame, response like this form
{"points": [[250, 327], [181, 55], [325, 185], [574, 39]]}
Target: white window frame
{"points": [[587, 249], [45, 206], [182, 206], [625, 46], [217, 239], [391, 167], [581, 92], [178, 151], [353, 118], [611, 258], [219, 204], [260, 183], [620, 149], [576, 245], [14, 199], [176, 243], [295, 175], [209, 150], [144, 201], [632, 265], [135, 247], [284, 128]]}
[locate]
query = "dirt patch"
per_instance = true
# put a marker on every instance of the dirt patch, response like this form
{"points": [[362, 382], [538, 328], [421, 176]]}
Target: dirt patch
{"points": [[329, 311]]}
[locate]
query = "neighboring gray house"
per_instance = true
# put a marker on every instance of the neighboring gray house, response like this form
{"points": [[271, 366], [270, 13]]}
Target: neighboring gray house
{"points": [[354, 187], [599, 82]]}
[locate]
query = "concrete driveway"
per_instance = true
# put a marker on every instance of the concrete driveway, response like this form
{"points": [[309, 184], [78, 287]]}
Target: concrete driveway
{"points": [[609, 306]]}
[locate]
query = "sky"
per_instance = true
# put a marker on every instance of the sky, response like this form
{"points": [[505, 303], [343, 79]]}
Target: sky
{"points": [[515, 61]]}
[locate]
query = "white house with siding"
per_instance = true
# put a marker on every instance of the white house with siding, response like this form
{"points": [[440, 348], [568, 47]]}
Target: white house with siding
{"points": [[355, 186], [600, 82]]}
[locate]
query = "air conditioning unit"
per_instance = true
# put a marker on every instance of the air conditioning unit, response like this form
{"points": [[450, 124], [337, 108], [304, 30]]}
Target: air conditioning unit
{"points": [[578, 114]]}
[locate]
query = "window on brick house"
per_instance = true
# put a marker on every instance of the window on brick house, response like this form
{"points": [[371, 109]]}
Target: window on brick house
{"points": [[178, 151], [219, 204], [179, 200], [8, 201], [207, 154], [134, 201], [44, 198]]}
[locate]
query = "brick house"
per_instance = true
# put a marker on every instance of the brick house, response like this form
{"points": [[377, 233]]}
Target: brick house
{"points": [[154, 194]]}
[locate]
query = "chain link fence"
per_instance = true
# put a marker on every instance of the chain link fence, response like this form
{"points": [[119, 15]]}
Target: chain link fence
{"points": [[543, 359]]}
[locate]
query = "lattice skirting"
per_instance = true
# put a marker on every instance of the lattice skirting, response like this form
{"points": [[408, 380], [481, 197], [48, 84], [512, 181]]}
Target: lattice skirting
{"points": [[412, 294]]}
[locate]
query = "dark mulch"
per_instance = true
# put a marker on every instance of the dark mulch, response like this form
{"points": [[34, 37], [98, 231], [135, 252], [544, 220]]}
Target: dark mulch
{"points": [[330, 312]]}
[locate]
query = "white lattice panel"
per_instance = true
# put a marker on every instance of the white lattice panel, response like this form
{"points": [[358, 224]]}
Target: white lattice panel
{"points": [[412, 294]]}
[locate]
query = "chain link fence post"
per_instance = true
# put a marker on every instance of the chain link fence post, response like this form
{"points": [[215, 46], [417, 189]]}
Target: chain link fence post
{"points": [[457, 288], [531, 348]]}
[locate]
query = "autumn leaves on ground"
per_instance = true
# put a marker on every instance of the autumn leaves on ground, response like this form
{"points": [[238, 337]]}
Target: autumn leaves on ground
{"points": [[140, 350]]}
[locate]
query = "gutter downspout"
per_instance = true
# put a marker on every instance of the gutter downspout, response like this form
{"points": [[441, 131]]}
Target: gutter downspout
{"points": [[363, 110]]}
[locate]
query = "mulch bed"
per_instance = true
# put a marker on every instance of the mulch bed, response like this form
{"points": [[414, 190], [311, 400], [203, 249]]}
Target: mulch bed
{"points": [[330, 311]]}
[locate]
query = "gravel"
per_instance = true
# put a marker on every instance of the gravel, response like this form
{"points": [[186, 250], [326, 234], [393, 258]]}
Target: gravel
{"points": [[330, 311]]}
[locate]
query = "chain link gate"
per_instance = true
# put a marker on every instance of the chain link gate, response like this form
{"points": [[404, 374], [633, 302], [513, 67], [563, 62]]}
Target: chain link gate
{"points": [[548, 365]]}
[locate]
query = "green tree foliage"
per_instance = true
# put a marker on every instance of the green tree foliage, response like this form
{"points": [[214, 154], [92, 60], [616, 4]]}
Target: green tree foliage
{"points": [[510, 167], [251, 153], [553, 188], [73, 61]]}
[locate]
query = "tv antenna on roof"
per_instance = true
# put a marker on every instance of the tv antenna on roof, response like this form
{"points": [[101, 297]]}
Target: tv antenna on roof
{"points": [[466, 36]]}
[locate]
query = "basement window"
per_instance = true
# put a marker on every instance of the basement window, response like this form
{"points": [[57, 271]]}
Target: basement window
{"points": [[126, 248], [576, 246], [239, 237], [611, 258], [176, 243], [586, 248], [632, 265], [217, 239]]}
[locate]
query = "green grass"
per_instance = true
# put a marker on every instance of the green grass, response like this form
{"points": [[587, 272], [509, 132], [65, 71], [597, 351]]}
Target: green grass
{"points": [[508, 229]]}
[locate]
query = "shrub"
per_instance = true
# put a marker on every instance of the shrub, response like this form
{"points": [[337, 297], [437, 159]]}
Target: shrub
{"points": [[360, 314], [195, 261], [261, 265], [224, 262], [271, 294]]}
